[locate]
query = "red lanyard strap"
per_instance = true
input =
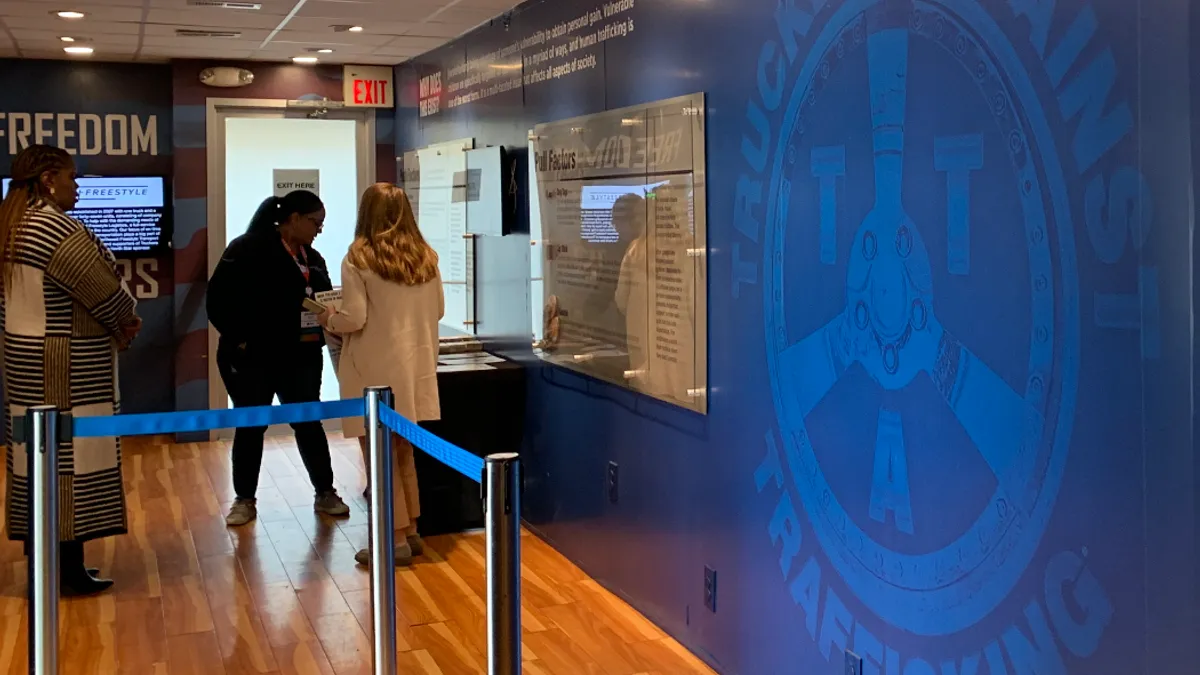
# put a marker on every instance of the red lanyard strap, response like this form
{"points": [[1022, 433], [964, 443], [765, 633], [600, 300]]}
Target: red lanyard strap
{"points": [[300, 260]]}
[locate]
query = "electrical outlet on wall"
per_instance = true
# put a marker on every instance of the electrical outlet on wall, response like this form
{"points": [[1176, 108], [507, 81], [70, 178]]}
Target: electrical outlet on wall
{"points": [[613, 482], [854, 664], [710, 589]]}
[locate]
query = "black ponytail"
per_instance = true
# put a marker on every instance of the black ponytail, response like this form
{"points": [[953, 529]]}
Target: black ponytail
{"points": [[276, 210], [263, 220]]}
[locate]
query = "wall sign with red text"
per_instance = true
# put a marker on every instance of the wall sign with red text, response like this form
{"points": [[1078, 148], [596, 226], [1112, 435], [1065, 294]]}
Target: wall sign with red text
{"points": [[368, 87]]}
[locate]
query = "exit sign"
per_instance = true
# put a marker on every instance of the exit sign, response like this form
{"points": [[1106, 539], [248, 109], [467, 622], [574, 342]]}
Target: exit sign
{"points": [[368, 87]]}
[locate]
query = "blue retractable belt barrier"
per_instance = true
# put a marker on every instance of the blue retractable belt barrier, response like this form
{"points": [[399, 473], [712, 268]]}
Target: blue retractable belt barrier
{"points": [[210, 420], [445, 452], [264, 416]]}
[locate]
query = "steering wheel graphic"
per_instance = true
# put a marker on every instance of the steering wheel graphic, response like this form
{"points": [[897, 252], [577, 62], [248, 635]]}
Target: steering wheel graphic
{"points": [[889, 326]]}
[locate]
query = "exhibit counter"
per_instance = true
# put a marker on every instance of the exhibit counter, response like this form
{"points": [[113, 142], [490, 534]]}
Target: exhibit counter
{"points": [[483, 411]]}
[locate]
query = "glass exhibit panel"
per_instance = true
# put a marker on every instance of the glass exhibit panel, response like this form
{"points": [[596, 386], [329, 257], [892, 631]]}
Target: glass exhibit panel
{"points": [[442, 218], [622, 240], [681, 254], [698, 217], [666, 367], [536, 254], [484, 191], [409, 171]]}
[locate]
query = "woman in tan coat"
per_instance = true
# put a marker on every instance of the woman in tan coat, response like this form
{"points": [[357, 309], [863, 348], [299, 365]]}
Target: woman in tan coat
{"points": [[391, 304], [66, 313]]}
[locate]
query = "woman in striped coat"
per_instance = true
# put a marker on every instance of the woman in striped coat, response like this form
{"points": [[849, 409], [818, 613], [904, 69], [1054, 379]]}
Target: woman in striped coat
{"points": [[66, 313]]}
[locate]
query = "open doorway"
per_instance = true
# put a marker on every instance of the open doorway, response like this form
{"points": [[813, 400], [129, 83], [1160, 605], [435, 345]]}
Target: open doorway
{"points": [[249, 143]]}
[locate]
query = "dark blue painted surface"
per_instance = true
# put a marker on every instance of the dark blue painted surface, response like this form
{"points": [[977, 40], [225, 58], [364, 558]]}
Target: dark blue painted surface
{"points": [[950, 345]]}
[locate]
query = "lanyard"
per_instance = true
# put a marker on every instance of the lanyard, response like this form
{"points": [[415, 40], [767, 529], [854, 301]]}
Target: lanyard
{"points": [[300, 260]]}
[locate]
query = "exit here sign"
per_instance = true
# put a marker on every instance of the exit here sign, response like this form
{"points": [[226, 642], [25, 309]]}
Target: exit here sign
{"points": [[368, 87]]}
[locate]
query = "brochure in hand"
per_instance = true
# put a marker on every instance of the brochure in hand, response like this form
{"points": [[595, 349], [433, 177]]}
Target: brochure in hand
{"points": [[332, 300]]}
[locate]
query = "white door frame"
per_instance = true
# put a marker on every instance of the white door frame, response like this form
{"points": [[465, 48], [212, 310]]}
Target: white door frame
{"points": [[217, 110]]}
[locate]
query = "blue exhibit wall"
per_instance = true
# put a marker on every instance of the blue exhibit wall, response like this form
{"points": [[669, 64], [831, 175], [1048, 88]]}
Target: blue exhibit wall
{"points": [[116, 120], [956, 439]]}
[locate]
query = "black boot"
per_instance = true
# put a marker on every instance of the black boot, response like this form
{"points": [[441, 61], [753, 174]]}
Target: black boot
{"points": [[74, 578], [93, 571]]}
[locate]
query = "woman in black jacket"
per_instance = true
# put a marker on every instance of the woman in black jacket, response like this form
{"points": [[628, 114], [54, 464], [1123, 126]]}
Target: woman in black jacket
{"points": [[270, 344]]}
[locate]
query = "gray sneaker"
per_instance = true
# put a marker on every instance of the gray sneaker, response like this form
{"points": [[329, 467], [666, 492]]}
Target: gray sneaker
{"points": [[403, 553], [416, 544], [330, 504], [242, 512]]}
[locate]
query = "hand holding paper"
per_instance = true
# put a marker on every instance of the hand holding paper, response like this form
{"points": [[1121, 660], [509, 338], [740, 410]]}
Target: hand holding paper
{"points": [[330, 301]]}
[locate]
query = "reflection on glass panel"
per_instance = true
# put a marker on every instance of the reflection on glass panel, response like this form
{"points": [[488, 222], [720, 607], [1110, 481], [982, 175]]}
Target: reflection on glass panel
{"points": [[435, 179], [620, 227]]}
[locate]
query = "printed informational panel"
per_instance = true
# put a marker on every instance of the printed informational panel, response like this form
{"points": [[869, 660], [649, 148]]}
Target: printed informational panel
{"points": [[621, 199], [435, 179]]}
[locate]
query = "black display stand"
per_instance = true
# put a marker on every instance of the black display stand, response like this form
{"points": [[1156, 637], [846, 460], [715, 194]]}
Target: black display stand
{"points": [[483, 412]]}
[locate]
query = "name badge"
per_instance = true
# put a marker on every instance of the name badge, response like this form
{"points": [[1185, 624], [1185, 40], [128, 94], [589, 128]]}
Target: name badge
{"points": [[308, 320]]}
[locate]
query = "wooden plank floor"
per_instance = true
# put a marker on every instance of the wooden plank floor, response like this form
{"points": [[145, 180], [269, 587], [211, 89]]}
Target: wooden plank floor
{"points": [[283, 595]]}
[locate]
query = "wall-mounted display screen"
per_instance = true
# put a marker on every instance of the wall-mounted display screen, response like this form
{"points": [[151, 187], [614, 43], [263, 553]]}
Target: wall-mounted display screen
{"points": [[620, 235], [128, 214]]}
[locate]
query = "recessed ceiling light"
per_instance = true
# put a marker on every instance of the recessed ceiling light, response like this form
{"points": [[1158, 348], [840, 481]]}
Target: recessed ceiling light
{"points": [[70, 15], [325, 51], [67, 39], [355, 29], [81, 51], [304, 59]]}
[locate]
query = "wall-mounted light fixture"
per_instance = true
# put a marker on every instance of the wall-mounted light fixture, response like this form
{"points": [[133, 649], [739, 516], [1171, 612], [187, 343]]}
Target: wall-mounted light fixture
{"points": [[226, 76]]}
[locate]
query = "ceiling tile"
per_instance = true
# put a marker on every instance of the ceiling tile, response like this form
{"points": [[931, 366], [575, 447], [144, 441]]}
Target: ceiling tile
{"points": [[414, 42], [97, 10], [444, 31], [21, 24], [395, 31], [331, 39], [198, 18], [395, 26], [413, 10]]}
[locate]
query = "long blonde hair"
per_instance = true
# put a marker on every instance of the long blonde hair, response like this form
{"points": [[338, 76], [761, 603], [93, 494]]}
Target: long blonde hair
{"points": [[387, 240], [25, 190]]}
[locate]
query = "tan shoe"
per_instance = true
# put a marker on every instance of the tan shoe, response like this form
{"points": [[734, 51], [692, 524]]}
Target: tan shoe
{"points": [[403, 553], [416, 544]]}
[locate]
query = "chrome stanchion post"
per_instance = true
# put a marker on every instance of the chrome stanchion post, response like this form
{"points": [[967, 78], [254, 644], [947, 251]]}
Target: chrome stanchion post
{"points": [[41, 451], [383, 553], [502, 511]]}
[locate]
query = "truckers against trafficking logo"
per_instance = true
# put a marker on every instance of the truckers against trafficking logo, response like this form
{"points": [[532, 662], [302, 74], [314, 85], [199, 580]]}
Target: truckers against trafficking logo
{"points": [[920, 179]]}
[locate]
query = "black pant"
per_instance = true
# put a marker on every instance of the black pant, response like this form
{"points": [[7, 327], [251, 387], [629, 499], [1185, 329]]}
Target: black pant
{"points": [[253, 378]]}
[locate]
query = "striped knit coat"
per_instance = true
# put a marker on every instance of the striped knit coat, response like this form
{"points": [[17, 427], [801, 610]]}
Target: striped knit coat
{"points": [[62, 315]]}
